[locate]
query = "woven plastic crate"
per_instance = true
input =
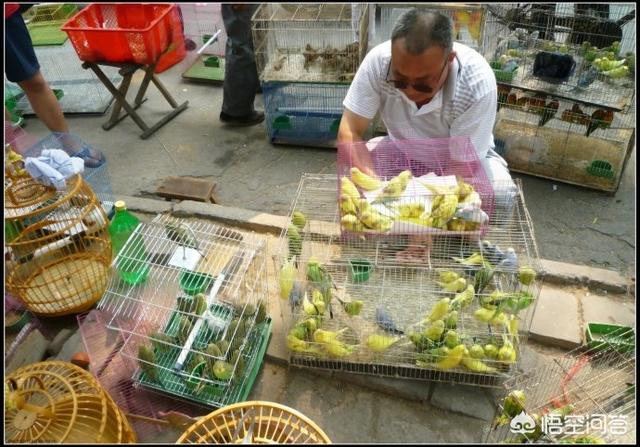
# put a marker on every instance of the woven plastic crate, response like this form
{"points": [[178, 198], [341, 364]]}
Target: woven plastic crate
{"points": [[118, 32], [307, 114], [435, 165], [97, 178]]}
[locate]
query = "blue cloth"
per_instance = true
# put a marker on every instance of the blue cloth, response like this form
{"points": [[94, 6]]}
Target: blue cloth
{"points": [[21, 62]]}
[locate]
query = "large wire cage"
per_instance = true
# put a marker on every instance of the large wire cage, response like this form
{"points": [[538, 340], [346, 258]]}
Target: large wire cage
{"points": [[585, 396], [201, 22], [255, 422], [78, 91], [310, 42], [566, 89], [467, 20], [98, 178], [59, 246], [397, 305], [189, 300], [301, 113], [58, 402]]}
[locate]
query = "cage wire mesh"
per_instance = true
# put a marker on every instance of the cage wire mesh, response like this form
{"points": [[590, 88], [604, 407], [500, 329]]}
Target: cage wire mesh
{"points": [[467, 20], [566, 90], [98, 178], [585, 396], [309, 42], [190, 303], [114, 373], [201, 22], [59, 246], [47, 13], [78, 90], [307, 114], [388, 287]]}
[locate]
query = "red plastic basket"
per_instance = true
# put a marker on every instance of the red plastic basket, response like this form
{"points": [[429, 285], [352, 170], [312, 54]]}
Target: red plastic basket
{"points": [[121, 32]]}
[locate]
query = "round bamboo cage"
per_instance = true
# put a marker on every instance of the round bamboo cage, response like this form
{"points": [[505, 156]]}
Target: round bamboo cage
{"points": [[255, 422], [59, 245], [58, 402]]}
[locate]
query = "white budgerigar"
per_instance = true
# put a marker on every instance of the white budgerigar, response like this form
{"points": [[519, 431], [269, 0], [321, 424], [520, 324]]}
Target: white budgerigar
{"points": [[510, 261]]}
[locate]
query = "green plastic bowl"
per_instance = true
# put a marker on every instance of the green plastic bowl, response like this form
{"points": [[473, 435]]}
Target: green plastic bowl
{"points": [[194, 282], [212, 61], [360, 270], [15, 324]]}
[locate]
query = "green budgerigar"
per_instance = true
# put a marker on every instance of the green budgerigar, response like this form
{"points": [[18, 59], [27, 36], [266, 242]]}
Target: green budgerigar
{"points": [[147, 362]]}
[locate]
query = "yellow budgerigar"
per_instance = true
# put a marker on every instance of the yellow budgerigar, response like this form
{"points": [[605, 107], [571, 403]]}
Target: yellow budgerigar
{"points": [[380, 343]]}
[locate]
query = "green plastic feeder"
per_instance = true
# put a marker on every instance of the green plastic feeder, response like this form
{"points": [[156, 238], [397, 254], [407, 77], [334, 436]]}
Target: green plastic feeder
{"points": [[58, 92], [197, 374], [16, 320], [601, 335], [282, 122], [335, 125], [212, 61], [194, 282], [600, 168], [360, 270]]}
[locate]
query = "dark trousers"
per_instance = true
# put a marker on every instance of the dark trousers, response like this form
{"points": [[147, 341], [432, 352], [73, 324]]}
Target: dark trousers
{"points": [[241, 75]]}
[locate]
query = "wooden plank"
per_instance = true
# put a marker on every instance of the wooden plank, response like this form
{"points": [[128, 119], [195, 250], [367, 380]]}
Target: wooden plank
{"points": [[186, 188]]}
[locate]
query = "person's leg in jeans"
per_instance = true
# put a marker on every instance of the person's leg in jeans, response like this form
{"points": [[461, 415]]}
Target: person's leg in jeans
{"points": [[22, 67], [241, 75]]}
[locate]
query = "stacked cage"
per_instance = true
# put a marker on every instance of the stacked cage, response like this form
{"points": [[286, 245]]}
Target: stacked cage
{"points": [[380, 288], [585, 397], [78, 91], [189, 302], [467, 20], [566, 90], [203, 21], [306, 55], [44, 22], [59, 250]]}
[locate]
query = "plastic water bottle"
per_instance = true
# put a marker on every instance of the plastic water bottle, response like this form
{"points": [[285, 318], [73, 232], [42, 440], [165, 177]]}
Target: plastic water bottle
{"points": [[132, 264]]}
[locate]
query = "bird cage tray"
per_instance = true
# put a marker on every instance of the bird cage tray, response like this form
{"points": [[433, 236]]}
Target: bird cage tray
{"points": [[556, 153], [602, 335], [213, 394], [206, 68]]}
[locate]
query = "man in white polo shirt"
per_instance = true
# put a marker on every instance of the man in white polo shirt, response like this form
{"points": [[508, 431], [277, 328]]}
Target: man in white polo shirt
{"points": [[425, 86]]}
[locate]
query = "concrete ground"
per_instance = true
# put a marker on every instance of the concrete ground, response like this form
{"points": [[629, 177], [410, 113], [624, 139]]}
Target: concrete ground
{"points": [[572, 224]]}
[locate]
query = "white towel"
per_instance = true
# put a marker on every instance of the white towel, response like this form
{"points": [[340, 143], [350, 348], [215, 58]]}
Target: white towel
{"points": [[53, 167]]}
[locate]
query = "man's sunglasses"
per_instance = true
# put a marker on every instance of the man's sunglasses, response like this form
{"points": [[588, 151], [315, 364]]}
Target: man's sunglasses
{"points": [[422, 88]]}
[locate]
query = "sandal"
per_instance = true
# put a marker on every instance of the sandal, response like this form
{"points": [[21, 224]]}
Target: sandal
{"points": [[92, 159]]}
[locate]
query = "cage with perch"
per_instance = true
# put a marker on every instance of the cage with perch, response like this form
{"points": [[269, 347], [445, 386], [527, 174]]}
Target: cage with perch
{"points": [[399, 304], [567, 109], [59, 246], [309, 42], [58, 402], [586, 396], [197, 325], [467, 20], [255, 422]]}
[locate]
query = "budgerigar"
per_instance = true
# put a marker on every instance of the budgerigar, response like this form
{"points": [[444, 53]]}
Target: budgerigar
{"points": [[295, 297], [492, 252], [510, 261], [385, 321]]}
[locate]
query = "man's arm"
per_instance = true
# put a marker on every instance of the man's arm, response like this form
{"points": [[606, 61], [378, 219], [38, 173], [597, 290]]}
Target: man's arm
{"points": [[352, 127]]}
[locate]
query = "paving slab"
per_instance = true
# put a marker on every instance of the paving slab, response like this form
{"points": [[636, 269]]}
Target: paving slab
{"points": [[467, 400], [556, 320], [71, 346], [31, 350], [59, 340], [603, 309]]}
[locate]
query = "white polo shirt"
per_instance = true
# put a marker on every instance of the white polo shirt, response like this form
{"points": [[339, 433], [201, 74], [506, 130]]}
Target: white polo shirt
{"points": [[465, 106]]}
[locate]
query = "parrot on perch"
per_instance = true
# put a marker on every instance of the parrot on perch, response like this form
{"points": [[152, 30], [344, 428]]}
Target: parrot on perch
{"points": [[600, 119], [549, 112]]}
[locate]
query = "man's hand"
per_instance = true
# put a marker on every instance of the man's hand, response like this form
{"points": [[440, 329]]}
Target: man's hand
{"points": [[350, 140]]}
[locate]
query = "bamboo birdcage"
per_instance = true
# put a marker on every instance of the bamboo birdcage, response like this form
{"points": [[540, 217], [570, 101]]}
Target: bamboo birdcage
{"points": [[566, 89], [58, 402], [59, 244], [255, 422], [589, 391], [405, 289]]}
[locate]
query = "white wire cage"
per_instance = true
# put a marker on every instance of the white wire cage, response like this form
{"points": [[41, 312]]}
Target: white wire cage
{"points": [[565, 77], [368, 270], [585, 396], [467, 19], [192, 295], [201, 22], [310, 42]]}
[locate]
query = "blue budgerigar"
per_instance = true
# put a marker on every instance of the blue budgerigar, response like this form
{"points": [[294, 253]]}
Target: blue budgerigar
{"points": [[510, 261], [385, 321], [296, 294], [587, 78], [492, 252]]}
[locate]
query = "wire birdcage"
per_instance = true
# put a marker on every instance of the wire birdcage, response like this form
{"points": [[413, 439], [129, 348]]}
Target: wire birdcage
{"points": [[196, 321], [98, 178], [44, 22], [201, 22], [78, 90], [59, 245], [301, 113], [377, 271], [566, 89], [467, 19], [309, 42], [59, 402], [585, 396], [255, 422]]}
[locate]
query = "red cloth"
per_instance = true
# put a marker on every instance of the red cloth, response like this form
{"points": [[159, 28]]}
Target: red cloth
{"points": [[9, 9]]}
